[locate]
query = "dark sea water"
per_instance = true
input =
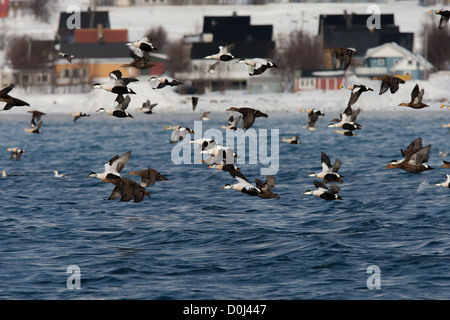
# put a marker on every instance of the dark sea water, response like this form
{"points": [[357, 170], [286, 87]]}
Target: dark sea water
{"points": [[194, 240]]}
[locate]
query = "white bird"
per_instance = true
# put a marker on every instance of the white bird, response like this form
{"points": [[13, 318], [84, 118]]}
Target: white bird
{"points": [[113, 167], [180, 132], [223, 54], [145, 44], [59, 175], [324, 192], [161, 82], [243, 184], [219, 154], [116, 83], [4, 174], [445, 184], [329, 172], [119, 109], [257, 65]]}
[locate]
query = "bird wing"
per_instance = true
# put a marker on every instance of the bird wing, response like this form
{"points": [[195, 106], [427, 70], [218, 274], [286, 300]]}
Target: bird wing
{"points": [[337, 165], [194, 103], [116, 193], [354, 96], [312, 118], [115, 75], [7, 89], [334, 188], [420, 156], [320, 185], [412, 148], [123, 104], [116, 164], [325, 160], [415, 94], [384, 87], [443, 22]]}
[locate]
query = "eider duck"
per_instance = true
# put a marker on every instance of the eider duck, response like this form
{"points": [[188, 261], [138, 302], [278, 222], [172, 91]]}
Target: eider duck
{"points": [[34, 129], [357, 90], [145, 44], [414, 159], [445, 184], [10, 101], [66, 56], [232, 123], [117, 84], [113, 167], [243, 184], [141, 59], [180, 132], [324, 192], [445, 106], [127, 190], [148, 177], [119, 110], [443, 153], [347, 120], [147, 107], [343, 56], [224, 53], [219, 154], [257, 65], [35, 117], [313, 116], [292, 140], [266, 187], [78, 115], [16, 153], [59, 175], [248, 116], [194, 102], [223, 166], [346, 132], [389, 82], [161, 82], [329, 172], [204, 116], [205, 143], [416, 99], [3, 174], [446, 164], [445, 15], [212, 68]]}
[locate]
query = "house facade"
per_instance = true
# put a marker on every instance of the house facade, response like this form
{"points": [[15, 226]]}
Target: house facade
{"points": [[319, 80], [391, 58]]}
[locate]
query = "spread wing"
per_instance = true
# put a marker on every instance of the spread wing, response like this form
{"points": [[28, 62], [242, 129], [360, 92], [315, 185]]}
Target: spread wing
{"points": [[116, 164]]}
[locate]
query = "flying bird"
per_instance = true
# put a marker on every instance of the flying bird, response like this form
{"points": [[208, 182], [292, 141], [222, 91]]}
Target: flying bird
{"points": [[116, 83], [147, 107], [445, 15], [145, 44], [180, 132], [415, 158], [313, 116], [78, 115], [224, 53], [16, 153], [324, 192], [389, 82], [119, 109], [343, 56], [10, 101], [257, 65], [357, 90], [148, 177], [248, 116], [113, 167], [161, 82], [127, 190], [416, 99], [35, 117], [266, 187], [292, 140], [329, 172], [66, 56]]}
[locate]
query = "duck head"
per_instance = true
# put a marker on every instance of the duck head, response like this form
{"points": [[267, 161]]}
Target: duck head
{"points": [[97, 86], [309, 192], [227, 186], [92, 175]]}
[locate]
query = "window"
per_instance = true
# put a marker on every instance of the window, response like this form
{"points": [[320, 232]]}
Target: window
{"points": [[65, 73], [380, 62], [25, 78]]}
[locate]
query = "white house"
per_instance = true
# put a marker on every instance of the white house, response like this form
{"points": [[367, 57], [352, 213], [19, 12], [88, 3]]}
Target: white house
{"points": [[391, 58]]}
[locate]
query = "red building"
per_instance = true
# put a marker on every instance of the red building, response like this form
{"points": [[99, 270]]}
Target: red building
{"points": [[319, 80]]}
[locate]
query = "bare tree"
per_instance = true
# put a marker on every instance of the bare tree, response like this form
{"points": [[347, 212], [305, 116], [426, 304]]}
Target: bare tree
{"points": [[41, 9], [179, 57], [24, 53], [296, 51], [158, 36]]}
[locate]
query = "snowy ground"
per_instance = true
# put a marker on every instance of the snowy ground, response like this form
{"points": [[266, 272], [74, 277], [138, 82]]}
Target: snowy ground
{"points": [[187, 20]]}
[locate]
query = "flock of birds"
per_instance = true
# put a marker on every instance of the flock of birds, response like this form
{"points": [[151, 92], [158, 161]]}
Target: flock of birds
{"points": [[221, 157]]}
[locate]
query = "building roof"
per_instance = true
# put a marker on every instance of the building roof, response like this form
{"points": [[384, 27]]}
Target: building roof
{"points": [[88, 20], [392, 49], [97, 50], [109, 35]]}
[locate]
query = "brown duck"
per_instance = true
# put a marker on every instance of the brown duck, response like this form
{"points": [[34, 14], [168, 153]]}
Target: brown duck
{"points": [[127, 190], [248, 116], [148, 177], [416, 99], [10, 101], [415, 157], [266, 187], [343, 56], [389, 82]]}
